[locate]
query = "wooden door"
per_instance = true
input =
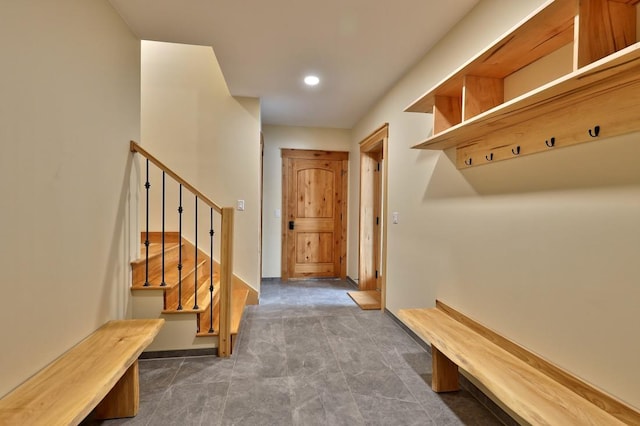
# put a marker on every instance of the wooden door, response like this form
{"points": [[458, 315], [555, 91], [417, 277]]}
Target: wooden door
{"points": [[314, 198]]}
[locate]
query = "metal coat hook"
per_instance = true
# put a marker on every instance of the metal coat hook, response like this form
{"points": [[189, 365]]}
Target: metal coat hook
{"points": [[595, 133], [516, 151], [489, 157], [468, 163], [550, 143]]}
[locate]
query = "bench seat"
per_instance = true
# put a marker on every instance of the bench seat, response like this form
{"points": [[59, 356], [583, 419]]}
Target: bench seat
{"points": [[533, 396], [100, 372]]}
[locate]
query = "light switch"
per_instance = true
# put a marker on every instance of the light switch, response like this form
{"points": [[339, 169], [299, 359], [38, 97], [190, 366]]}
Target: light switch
{"points": [[240, 205], [277, 213], [395, 217]]}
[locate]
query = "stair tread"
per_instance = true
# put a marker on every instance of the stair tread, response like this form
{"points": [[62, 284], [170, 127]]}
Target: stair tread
{"points": [[204, 301], [238, 302], [170, 275]]}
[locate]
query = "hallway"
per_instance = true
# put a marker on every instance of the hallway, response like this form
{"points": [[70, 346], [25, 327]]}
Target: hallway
{"points": [[307, 355]]}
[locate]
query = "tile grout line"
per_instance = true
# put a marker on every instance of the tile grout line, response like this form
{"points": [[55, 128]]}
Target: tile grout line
{"points": [[155, 410], [344, 377], [324, 333], [286, 369], [392, 370], [224, 401], [243, 323], [433, 420]]}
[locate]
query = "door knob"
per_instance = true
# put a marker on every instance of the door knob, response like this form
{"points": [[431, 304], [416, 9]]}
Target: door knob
{"points": [[291, 224]]}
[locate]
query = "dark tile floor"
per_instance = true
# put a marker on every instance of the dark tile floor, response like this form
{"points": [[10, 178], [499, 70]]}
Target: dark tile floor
{"points": [[307, 355]]}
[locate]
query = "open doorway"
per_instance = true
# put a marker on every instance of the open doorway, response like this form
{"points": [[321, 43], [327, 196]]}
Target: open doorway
{"points": [[372, 229]]}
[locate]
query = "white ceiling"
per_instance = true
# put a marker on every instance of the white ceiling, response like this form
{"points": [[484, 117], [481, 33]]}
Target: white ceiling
{"points": [[358, 48]]}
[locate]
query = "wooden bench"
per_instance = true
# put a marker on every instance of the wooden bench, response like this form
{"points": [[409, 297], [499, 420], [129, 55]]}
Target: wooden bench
{"points": [[100, 373], [534, 390]]}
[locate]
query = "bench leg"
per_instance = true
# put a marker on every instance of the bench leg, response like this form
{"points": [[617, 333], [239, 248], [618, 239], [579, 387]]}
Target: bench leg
{"points": [[124, 399], [445, 373]]}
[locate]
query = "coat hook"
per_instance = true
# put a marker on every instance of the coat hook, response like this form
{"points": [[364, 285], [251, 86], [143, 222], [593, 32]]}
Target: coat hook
{"points": [[489, 157], [595, 133], [550, 143], [468, 163], [516, 151]]}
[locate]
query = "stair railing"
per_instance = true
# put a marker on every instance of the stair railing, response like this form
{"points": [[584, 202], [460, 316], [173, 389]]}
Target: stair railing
{"points": [[226, 248]]}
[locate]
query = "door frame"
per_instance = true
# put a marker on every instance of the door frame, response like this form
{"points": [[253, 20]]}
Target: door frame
{"points": [[309, 154], [370, 148], [261, 197]]}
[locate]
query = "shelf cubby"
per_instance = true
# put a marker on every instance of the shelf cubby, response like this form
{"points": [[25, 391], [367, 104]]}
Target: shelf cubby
{"points": [[470, 111]]}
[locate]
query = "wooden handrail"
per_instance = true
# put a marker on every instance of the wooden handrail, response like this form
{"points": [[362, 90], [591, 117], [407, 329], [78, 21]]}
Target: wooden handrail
{"points": [[134, 147], [226, 253]]}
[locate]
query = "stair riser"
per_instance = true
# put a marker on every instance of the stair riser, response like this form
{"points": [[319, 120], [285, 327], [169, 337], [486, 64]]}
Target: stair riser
{"points": [[178, 334], [156, 237], [171, 295], [202, 323], [204, 320], [188, 300]]}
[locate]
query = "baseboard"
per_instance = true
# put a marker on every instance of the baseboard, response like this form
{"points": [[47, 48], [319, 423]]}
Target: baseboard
{"points": [[487, 402], [414, 336], [352, 282], [465, 383], [253, 297], [180, 353]]}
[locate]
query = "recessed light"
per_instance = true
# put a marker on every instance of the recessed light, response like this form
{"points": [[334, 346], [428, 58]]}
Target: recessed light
{"points": [[311, 80]]}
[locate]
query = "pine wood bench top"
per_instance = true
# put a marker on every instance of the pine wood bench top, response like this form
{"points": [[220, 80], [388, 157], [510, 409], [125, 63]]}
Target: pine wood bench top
{"points": [[69, 388], [531, 394]]}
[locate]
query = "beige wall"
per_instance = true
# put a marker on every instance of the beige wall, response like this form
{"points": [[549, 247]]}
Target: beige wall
{"points": [[275, 138], [70, 104], [192, 123], [544, 249]]}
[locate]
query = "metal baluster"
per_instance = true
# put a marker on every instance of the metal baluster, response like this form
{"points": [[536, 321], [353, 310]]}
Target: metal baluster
{"points": [[147, 185], [211, 274], [195, 274], [163, 283], [180, 253]]}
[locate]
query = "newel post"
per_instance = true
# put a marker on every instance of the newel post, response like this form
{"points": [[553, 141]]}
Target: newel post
{"points": [[226, 274]]}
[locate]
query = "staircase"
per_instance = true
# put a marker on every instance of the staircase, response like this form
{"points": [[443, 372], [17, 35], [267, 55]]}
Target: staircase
{"points": [[200, 299], [181, 300]]}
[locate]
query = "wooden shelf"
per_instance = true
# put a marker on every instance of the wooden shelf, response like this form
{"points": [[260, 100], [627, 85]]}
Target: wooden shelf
{"points": [[620, 68], [546, 30], [469, 109]]}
